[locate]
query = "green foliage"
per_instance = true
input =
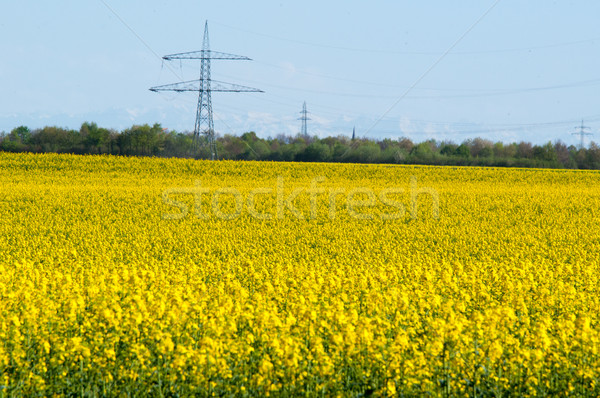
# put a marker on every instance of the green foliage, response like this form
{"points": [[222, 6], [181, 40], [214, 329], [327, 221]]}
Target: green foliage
{"points": [[423, 151], [363, 151], [22, 134], [462, 151], [545, 153], [146, 140], [315, 152], [94, 139], [448, 149]]}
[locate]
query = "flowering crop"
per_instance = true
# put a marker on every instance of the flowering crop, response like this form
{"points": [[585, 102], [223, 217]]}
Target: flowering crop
{"points": [[167, 277]]}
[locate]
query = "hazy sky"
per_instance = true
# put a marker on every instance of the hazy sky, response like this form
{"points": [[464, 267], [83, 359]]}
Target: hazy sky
{"points": [[528, 70]]}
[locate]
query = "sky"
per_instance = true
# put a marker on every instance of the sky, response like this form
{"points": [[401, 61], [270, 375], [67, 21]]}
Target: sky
{"points": [[503, 70]]}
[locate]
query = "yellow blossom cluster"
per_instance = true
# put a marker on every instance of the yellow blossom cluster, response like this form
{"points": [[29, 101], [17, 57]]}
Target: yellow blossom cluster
{"points": [[173, 277]]}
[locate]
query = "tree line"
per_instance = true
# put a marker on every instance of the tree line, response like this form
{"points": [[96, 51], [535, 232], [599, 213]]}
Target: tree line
{"points": [[146, 140]]}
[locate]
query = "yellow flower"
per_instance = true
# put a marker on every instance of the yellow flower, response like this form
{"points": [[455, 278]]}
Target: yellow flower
{"points": [[96, 285]]}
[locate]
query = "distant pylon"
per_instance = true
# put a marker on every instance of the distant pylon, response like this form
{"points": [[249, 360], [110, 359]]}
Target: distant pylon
{"points": [[304, 118], [204, 86], [582, 133]]}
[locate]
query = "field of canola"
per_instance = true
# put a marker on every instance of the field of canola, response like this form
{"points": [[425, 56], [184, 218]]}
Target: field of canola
{"points": [[171, 277]]}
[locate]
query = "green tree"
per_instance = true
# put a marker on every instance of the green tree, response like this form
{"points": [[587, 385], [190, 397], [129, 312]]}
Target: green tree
{"points": [[315, 152], [545, 153], [463, 151], [94, 138], [524, 150], [339, 150], [422, 151], [364, 152], [592, 158], [233, 147], [21, 134], [56, 139], [448, 149]]}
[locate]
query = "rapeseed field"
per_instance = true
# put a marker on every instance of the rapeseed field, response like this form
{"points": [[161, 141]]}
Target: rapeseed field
{"points": [[171, 277]]}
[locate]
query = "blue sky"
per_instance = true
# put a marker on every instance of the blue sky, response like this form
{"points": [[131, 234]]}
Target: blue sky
{"points": [[529, 70]]}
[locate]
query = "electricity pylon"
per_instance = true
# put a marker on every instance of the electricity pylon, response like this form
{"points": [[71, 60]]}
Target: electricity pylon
{"points": [[582, 133], [304, 118], [205, 86]]}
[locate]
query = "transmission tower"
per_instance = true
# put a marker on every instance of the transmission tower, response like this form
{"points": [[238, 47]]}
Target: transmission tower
{"points": [[205, 86], [583, 131], [304, 118]]}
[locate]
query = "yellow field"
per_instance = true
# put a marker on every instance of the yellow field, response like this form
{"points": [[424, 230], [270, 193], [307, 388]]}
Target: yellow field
{"points": [[128, 276]]}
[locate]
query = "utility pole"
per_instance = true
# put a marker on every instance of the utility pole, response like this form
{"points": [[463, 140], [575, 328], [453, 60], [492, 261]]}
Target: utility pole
{"points": [[304, 118], [583, 131], [204, 87]]}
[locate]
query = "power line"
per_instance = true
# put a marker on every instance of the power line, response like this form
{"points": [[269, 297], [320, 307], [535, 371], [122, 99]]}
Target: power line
{"points": [[435, 63], [514, 125], [491, 92], [477, 91], [401, 52], [137, 36]]}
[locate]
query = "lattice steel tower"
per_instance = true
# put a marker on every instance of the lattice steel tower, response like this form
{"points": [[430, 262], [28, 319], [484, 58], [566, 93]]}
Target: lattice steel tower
{"points": [[304, 118], [204, 86], [583, 131]]}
